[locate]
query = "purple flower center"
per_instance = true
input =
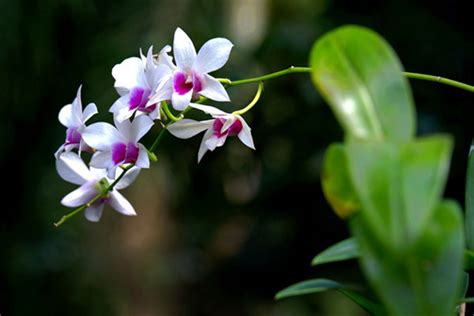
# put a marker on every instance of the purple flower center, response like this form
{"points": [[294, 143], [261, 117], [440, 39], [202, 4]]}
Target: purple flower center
{"points": [[124, 153], [233, 130], [138, 100], [184, 83], [72, 136]]}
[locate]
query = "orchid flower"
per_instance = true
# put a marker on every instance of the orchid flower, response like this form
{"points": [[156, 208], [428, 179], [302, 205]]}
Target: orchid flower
{"points": [[72, 117], [93, 181], [117, 146], [135, 80], [218, 129], [189, 79]]}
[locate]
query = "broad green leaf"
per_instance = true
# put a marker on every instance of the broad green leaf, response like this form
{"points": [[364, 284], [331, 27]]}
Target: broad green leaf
{"points": [[374, 168], [360, 76], [424, 170], [424, 279], [469, 217], [343, 250], [321, 285], [399, 185], [336, 183]]}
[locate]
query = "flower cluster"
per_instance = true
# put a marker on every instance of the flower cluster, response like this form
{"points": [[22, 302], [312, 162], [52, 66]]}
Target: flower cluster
{"points": [[146, 85]]}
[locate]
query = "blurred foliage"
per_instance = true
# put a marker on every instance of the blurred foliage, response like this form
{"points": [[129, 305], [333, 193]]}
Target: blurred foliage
{"points": [[223, 237]]}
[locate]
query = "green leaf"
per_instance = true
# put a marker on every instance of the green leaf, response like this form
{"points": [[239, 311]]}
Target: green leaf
{"points": [[359, 75], [336, 183], [424, 166], [469, 217], [399, 185], [427, 276], [321, 285], [343, 250]]}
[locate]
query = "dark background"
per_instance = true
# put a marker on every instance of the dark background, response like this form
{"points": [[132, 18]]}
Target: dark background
{"points": [[221, 237]]}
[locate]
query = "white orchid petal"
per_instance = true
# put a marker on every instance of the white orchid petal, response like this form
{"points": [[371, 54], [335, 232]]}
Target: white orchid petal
{"points": [[228, 123], [127, 179], [209, 110], [213, 89], [89, 111], [94, 212], [150, 64], [66, 117], [213, 55], [71, 168], [124, 114], [165, 59], [111, 170], [101, 159], [101, 136], [245, 134], [124, 128], [77, 105], [163, 92], [184, 51], [119, 104], [140, 126], [214, 142], [121, 204], [80, 196], [187, 128], [155, 114], [202, 147], [59, 151], [143, 161], [128, 74], [181, 101]]}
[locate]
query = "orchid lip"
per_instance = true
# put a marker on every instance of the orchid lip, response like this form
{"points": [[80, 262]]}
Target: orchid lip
{"points": [[183, 83], [124, 153], [73, 136], [138, 98], [234, 128]]}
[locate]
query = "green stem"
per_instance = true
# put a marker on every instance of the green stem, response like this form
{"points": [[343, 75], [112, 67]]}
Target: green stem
{"points": [[94, 199], [293, 69], [254, 101], [166, 109], [439, 79], [290, 70]]}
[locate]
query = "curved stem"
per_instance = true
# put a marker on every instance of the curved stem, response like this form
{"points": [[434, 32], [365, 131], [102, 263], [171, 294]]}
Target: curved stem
{"points": [[290, 70], [293, 69], [254, 101], [166, 109], [449, 82]]}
